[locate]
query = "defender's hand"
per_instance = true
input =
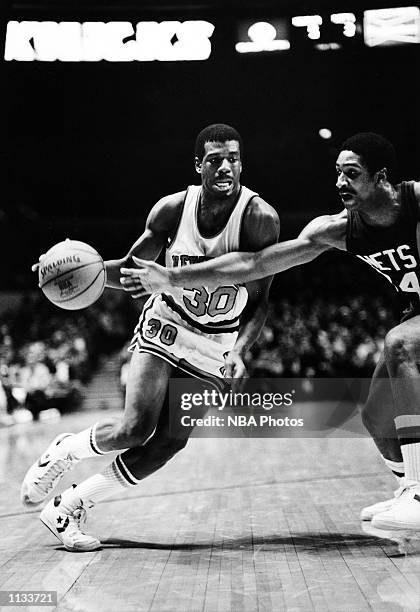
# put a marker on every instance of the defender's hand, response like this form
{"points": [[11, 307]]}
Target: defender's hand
{"points": [[132, 283], [235, 370], [149, 277]]}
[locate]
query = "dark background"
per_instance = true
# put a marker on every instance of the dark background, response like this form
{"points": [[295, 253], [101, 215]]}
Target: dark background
{"points": [[88, 148]]}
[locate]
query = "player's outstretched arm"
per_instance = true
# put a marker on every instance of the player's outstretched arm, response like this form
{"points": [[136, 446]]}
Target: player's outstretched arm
{"points": [[229, 269], [160, 224], [318, 236]]}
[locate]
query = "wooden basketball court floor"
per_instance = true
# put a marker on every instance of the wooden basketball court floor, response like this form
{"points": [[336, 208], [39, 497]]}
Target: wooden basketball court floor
{"points": [[229, 524]]}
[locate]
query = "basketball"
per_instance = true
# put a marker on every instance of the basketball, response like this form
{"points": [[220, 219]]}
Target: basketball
{"points": [[72, 275]]}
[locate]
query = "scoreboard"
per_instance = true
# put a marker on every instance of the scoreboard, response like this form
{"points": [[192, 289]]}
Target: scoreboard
{"points": [[192, 40], [332, 31]]}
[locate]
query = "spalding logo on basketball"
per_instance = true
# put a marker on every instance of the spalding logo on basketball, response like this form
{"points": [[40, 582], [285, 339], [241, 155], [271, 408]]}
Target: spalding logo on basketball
{"points": [[72, 275]]}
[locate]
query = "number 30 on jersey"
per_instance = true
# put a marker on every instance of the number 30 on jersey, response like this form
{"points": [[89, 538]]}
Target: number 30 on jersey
{"points": [[220, 302]]}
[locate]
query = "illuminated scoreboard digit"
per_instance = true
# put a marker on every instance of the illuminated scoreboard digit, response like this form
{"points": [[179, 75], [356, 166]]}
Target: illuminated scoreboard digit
{"points": [[311, 23], [347, 21], [259, 36]]}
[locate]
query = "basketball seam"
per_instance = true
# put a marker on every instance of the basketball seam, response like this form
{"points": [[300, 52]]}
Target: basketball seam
{"points": [[71, 270], [92, 252], [83, 290]]}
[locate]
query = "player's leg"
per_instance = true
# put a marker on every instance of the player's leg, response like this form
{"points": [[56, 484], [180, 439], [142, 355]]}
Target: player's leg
{"points": [[378, 418], [402, 354], [165, 443], [126, 471], [133, 465], [146, 387]]}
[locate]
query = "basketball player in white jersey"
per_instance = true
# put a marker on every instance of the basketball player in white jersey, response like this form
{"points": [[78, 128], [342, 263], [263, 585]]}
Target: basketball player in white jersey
{"points": [[201, 331]]}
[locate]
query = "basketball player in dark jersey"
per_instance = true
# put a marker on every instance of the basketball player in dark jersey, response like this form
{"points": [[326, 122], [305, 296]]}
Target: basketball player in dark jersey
{"points": [[380, 226]]}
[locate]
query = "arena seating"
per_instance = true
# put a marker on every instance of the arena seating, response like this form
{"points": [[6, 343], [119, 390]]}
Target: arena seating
{"points": [[318, 326]]}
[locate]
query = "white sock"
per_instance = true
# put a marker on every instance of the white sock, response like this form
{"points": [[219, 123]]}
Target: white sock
{"points": [[408, 430], [114, 479], [411, 454], [396, 467], [82, 445]]}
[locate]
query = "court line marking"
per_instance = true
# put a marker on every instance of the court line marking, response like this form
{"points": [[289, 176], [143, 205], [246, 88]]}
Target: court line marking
{"points": [[268, 483]]}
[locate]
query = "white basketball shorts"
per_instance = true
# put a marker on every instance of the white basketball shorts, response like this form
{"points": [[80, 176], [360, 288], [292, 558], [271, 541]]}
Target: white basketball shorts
{"points": [[164, 332]]}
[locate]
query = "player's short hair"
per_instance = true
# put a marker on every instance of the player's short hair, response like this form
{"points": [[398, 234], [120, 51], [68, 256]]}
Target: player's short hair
{"points": [[376, 152], [216, 132]]}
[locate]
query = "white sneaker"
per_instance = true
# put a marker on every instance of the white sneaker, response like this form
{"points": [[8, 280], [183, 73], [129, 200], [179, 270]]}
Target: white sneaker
{"points": [[405, 513], [367, 514], [65, 524], [44, 475], [408, 542]]}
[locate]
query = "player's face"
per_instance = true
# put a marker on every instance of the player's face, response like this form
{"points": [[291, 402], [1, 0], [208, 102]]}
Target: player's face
{"points": [[220, 168], [356, 185]]}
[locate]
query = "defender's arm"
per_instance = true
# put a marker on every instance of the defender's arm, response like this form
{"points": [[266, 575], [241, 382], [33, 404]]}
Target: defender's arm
{"points": [[318, 236]]}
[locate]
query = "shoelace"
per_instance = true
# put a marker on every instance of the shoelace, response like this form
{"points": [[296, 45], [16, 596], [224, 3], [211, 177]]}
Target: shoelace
{"points": [[80, 515], [46, 482], [77, 519]]}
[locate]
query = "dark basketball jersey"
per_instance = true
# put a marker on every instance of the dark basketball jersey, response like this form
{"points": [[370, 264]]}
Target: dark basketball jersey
{"points": [[391, 251]]}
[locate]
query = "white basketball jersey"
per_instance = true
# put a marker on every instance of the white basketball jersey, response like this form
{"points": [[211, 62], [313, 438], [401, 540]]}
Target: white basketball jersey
{"points": [[220, 307]]}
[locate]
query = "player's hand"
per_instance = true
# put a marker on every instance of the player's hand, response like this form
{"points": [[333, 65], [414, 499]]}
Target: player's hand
{"points": [[235, 369], [149, 277], [35, 267]]}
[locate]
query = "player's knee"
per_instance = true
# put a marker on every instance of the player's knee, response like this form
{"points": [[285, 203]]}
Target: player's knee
{"points": [[134, 433], [145, 460], [399, 347]]}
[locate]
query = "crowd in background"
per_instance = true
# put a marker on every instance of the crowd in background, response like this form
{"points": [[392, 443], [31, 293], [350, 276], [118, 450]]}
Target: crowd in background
{"points": [[324, 337], [48, 355], [318, 326]]}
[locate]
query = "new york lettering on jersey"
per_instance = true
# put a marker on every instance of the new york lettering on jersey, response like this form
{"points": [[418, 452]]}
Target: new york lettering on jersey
{"points": [[391, 251], [213, 308]]}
